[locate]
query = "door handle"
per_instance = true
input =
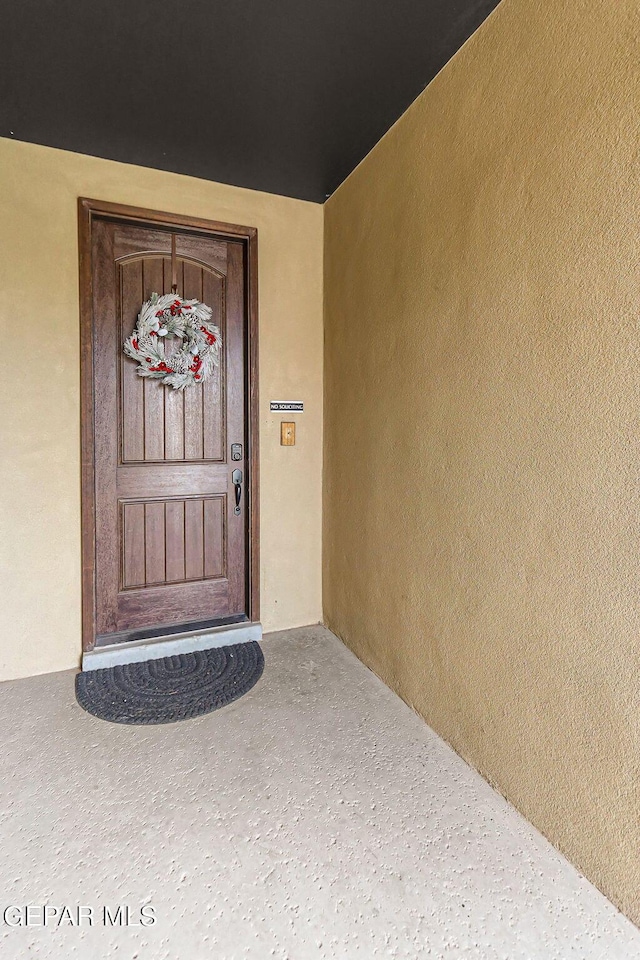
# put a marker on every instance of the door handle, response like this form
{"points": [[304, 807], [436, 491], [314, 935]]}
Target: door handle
{"points": [[236, 478]]}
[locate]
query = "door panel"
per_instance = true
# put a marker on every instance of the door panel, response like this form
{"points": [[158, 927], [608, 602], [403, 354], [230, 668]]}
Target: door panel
{"points": [[169, 547], [168, 541], [169, 424]]}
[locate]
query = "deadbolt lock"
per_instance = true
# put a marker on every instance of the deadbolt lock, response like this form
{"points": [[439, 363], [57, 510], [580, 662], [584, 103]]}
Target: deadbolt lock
{"points": [[236, 451]]}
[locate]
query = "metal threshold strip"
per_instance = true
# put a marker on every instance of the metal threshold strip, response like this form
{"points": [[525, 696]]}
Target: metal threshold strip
{"points": [[168, 646]]}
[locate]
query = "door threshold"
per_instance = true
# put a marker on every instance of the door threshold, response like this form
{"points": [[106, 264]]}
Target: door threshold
{"points": [[180, 629], [153, 648]]}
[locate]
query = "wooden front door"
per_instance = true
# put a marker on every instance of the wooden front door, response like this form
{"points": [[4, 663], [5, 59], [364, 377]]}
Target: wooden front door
{"points": [[169, 548]]}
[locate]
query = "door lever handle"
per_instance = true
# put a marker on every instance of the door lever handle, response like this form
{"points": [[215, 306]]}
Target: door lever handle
{"points": [[236, 478]]}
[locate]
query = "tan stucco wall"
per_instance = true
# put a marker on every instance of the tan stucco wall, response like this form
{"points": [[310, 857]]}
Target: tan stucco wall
{"points": [[482, 418], [39, 389]]}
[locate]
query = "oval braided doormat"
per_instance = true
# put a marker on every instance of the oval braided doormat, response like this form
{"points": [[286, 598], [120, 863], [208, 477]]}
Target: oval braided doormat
{"points": [[172, 688]]}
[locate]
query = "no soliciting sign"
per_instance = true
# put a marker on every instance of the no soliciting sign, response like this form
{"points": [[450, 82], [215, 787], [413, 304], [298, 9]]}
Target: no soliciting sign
{"points": [[287, 406]]}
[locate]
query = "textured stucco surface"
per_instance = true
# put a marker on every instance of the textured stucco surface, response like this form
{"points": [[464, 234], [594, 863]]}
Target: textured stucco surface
{"points": [[482, 414], [317, 818], [39, 389]]}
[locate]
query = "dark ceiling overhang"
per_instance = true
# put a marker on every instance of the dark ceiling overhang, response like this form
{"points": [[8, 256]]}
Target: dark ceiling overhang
{"points": [[285, 96]]}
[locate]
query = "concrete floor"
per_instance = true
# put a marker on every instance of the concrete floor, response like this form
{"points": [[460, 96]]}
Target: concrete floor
{"points": [[316, 818]]}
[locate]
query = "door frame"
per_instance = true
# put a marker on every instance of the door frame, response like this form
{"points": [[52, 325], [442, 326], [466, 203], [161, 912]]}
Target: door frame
{"points": [[87, 211]]}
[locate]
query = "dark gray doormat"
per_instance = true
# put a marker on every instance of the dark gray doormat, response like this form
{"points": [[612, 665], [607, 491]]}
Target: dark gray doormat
{"points": [[173, 688]]}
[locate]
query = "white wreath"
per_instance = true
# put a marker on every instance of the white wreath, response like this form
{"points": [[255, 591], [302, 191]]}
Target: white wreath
{"points": [[190, 320]]}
